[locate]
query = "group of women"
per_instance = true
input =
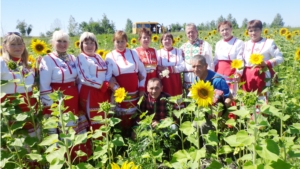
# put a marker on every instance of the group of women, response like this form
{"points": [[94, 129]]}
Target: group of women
{"points": [[90, 80]]}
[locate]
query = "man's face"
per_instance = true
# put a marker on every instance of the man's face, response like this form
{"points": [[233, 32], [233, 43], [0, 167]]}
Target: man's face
{"points": [[198, 68], [154, 89], [191, 34]]}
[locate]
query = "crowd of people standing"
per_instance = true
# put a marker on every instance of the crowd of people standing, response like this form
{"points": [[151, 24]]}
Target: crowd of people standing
{"points": [[92, 80]]}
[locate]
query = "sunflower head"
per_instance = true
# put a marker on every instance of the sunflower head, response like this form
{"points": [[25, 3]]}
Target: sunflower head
{"points": [[236, 64], [133, 41], [174, 42], [297, 55], [209, 33], [120, 94], [178, 38], [246, 33], [205, 38], [214, 32], [202, 92], [76, 44], [38, 47], [127, 45], [31, 61], [155, 38], [104, 55], [100, 52], [161, 46], [283, 31], [256, 59], [266, 31], [288, 36], [125, 165], [48, 50]]}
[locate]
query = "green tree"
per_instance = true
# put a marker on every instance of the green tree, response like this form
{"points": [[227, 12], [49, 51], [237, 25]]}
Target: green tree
{"points": [[244, 23], [220, 19], [277, 22], [107, 25], [22, 25], [73, 27], [128, 27], [213, 25], [234, 24]]}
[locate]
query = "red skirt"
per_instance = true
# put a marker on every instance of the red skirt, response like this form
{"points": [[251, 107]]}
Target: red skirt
{"points": [[130, 83], [254, 79], [68, 89], [23, 107], [224, 67], [95, 97], [173, 84]]}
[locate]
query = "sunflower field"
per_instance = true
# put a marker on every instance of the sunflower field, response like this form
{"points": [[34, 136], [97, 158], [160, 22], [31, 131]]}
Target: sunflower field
{"points": [[250, 135]]}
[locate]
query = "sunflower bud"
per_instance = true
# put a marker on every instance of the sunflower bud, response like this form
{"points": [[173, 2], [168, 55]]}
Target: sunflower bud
{"points": [[12, 65]]}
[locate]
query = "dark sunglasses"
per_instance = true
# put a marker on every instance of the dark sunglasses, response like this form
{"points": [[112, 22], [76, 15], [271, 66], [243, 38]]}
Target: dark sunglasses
{"points": [[15, 33]]}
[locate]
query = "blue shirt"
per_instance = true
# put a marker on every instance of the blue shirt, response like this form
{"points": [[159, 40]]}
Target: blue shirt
{"points": [[218, 82]]}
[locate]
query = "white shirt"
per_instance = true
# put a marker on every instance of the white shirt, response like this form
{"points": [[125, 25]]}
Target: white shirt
{"points": [[171, 58]]}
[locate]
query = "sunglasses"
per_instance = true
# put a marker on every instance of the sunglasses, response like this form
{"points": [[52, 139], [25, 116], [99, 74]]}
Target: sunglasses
{"points": [[11, 33]]}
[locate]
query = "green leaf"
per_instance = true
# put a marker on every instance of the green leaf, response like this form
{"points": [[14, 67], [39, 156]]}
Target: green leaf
{"points": [[181, 156], [243, 137], [165, 123], [214, 165], [187, 128], [249, 165], [118, 140], [113, 121], [50, 123], [37, 157], [80, 153], [243, 113], [80, 138], [231, 122], [49, 140], [268, 150], [84, 166], [21, 117], [212, 138], [225, 149], [18, 142], [158, 154], [196, 155], [146, 155], [280, 164], [232, 141], [56, 156]]}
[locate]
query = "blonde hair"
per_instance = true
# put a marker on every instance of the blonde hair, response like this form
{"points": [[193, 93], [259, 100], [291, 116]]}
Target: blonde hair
{"points": [[8, 39], [120, 35], [59, 35], [87, 36]]}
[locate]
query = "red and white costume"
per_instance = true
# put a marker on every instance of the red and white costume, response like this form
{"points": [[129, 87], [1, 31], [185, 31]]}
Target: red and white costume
{"points": [[225, 52], [272, 56], [125, 68], [174, 61], [55, 74], [94, 75], [149, 59], [190, 50], [11, 88]]}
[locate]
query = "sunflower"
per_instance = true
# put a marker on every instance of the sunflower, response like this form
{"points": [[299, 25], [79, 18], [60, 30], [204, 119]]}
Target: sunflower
{"points": [[161, 46], [0, 50], [77, 44], [283, 31], [120, 95], [38, 47], [209, 33], [268, 37], [202, 92], [246, 33], [127, 45], [205, 38], [48, 50], [266, 31], [288, 36], [178, 38], [155, 38], [236, 64], [256, 59], [174, 42], [125, 165], [33, 40], [100, 52], [214, 32], [104, 55], [31, 61], [200, 32], [133, 41], [297, 54]]}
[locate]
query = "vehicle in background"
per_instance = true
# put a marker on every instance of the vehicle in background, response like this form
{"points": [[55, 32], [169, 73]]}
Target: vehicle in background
{"points": [[154, 27]]}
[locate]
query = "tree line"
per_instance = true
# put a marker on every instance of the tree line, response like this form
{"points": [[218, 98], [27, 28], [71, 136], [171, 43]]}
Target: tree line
{"points": [[106, 26]]}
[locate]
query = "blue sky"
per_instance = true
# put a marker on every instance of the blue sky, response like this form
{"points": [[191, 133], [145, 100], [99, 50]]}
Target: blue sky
{"points": [[43, 15]]}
